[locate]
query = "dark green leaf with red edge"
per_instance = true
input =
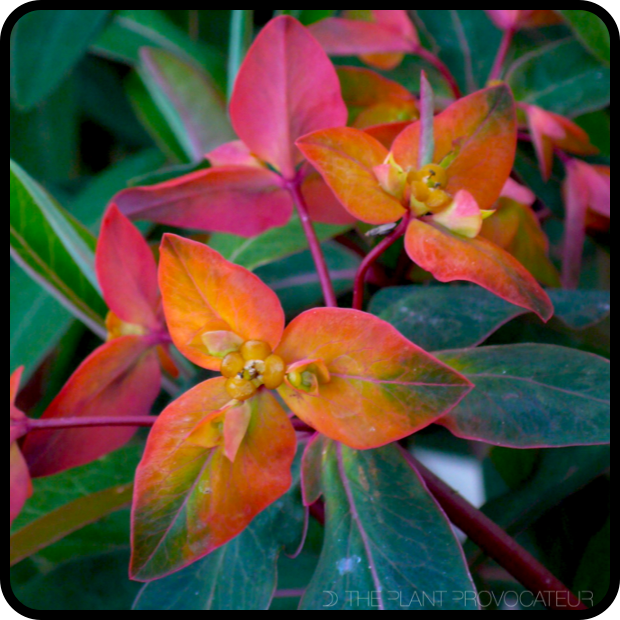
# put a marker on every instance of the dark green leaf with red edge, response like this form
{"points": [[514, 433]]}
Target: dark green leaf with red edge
{"points": [[386, 538], [188, 99], [121, 378], [381, 387], [477, 136], [531, 396], [286, 88], [450, 257], [241, 575], [443, 317], [234, 199], [580, 310], [191, 500]]}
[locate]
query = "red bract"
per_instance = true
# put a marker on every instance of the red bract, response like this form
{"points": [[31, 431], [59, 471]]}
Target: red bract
{"points": [[586, 189], [448, 199], [223, 452], [380, 37], [20, 482], [550, 131], [121, 378], [286, 87]]}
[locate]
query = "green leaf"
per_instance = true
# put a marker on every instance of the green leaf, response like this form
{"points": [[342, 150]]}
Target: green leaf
{"points": [[387, 543], [466, 40], [241, 575], [45, 46], [54, 492], [598, 126], [90, 204], [52, 125], [594, 574], [591, 30], [549, 192], [154, 122], [95, 583], [563, 78], [297, 284], [310, 16], [189, 101], [438, 317], [532, 396], [581, 310], [241, 35], [37, 322], [131, 30], [274, 244], [54, 249], [70, 518]]}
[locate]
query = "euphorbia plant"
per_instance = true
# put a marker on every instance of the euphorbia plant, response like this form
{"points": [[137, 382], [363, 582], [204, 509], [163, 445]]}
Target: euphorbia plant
{"points": [[273, 416], [222, 453], [442, 178]]}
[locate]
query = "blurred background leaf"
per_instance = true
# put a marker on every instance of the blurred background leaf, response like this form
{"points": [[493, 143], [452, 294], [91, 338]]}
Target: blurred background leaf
{"points": [[45, 46]]}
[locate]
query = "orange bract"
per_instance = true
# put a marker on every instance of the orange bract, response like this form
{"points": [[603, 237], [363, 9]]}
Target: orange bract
{"points": [[205, 295]]}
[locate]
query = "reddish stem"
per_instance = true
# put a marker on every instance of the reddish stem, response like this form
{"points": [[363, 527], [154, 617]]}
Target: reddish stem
{"points": [[433, 60], [65, 423], [368, 262], [315, 245], [502, 53], [495, 542]]}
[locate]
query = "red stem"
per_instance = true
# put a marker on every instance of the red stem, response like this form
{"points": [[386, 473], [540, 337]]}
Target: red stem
{"points": [[315, 245], [502, 53], [367, 263], [65, 423], [441, 67], [495, 542]]}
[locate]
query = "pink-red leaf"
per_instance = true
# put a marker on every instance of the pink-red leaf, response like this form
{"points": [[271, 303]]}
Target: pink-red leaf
{"points": [[20, 483], [381, 37], [479, 136], [323, 206], [210, 302], [189, 499], [381, 386], [346, 158], [238, 200], [450, 257], [121, 378], [286, 88], [127, 271]]}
